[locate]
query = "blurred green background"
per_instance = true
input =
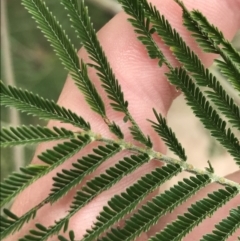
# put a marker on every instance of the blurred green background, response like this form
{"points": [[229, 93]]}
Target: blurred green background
{"points": [[34, 64]]}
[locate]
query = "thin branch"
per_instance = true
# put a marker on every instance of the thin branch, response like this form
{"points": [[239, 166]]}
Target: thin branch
{"points": [[108, 5], [166, 159], [18, 152]]}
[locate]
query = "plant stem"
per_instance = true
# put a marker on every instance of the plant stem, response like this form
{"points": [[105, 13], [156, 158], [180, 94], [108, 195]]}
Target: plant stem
{"points": [[161, 157], [18, 152], [108, 5]]}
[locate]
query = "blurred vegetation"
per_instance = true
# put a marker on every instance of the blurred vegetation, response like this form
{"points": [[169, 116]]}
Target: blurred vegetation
{"points": [[35, 65]]}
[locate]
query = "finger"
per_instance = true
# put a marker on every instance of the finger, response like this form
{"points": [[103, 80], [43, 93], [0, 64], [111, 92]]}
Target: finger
{"points": [[144, 85]]}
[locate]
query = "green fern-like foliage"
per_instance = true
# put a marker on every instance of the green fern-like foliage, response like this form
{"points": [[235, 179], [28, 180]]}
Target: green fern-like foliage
{"points": [[209, 101]]}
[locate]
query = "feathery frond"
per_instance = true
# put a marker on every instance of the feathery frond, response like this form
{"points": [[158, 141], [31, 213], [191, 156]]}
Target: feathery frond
{"points": [[168, 136], [206, 113], [146, 20], [229, 72], [226, 227], [149, 214], [35, 105], [192, 64], [13, 184], [63, 183], [93, 188], [10, 219], [64, 151], [83, 26], [81, 22], [178, 46], [54, 158], [84, 29], [115, 129], [134, 129], [106, 180], [66, 52], [67, 179], [17, 182], [32, 134], [230, 110], [142, 28], [40, 233], [121, 205], [217, 36], [219, 97], [196, 214], [204, 34]]}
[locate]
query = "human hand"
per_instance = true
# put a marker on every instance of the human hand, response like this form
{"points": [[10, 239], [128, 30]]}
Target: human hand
{"points": [[139, 76]]}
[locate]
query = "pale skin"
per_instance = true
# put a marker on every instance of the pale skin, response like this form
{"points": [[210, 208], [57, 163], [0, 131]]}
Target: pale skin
{"points": [[145, 87]]}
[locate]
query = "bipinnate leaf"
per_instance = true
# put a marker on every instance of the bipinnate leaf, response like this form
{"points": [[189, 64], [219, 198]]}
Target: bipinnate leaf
{"points": [[9, 219], [142, 27], [35, 105], [40, 233], [226, 227], [210, 38], [32, 135], [106, 180], [196, 213], [121, 205], [190, 78], [205, 112], [16, 182], [168, 136], [83, 26], [91, 190], [192, 64], [67, 179], [149, 214], [216, 35], [66, 52], [190, 60], [68, 55]]}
